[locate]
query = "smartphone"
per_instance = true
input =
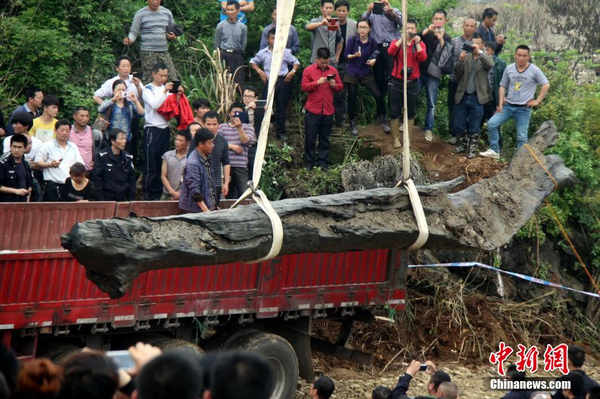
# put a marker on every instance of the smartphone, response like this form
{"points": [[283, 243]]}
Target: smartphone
{"points": [[437, 25], [261, 103], [423, 367], [378, 8], [333, 24], [411, 35], [330, 77], [123, 359], [139, 75], [176, 84], [244, 118]]}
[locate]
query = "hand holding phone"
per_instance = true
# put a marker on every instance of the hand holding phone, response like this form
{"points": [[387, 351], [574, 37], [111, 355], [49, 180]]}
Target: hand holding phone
{"points": [[176, 84]]}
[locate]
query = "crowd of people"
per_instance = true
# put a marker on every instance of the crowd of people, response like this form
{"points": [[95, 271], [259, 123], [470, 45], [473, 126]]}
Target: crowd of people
{"points": [[213, 159], [147, 373]]}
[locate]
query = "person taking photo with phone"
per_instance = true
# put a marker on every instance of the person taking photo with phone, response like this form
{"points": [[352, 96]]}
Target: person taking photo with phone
{"points": [[417, 54], [121, 110], [319, 81], [325, 32], [386, 23], [361, 53]]}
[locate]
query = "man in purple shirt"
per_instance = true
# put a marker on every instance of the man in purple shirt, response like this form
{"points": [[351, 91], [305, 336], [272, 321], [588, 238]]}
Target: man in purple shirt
{"points": [[283, 87], [239, 136], [198, 187]]}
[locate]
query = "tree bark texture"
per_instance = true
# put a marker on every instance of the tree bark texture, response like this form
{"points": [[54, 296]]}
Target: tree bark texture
{"points": [[485, 215]]}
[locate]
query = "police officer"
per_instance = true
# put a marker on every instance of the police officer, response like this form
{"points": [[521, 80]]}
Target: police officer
{"points": [[114, 174], [16, 179]]}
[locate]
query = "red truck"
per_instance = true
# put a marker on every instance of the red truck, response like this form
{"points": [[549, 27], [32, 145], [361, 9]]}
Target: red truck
{"points": [[49, 308]]}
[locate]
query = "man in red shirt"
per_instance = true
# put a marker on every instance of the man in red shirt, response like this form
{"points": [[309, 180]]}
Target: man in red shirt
{"points": [[320, 81], [416, 54]]}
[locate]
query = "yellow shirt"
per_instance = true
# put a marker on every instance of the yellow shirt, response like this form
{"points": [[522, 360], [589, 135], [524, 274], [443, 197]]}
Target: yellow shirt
{"points": [[44, 132]]}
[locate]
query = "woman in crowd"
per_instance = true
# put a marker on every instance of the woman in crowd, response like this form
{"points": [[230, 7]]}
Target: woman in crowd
{"points": [[361, 51], [120, 110], [78, 187]]}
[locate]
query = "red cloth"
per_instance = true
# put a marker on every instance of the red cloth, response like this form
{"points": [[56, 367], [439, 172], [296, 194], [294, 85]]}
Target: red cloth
{"points": [[182, 111], [414, 58], [320, 97]]}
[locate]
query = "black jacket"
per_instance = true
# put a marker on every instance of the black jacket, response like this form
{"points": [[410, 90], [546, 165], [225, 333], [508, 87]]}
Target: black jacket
{"points": [[114, 175], [588, 383], [9, 178]]}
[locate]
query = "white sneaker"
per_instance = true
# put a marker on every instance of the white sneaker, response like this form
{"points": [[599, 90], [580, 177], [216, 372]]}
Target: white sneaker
{"points": [[490, 154]]}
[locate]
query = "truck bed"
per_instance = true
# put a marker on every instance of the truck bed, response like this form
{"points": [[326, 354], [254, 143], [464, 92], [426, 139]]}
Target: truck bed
{"points": [[44, 287]]}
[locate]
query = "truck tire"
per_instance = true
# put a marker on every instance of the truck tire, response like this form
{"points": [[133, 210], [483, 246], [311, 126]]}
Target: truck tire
{"points": [[279, 353], [56, 352], [164, 342]]}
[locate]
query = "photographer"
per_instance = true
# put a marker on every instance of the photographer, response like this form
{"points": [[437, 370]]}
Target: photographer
{"points": [[417, 53], [472, 93], [437, 378]]}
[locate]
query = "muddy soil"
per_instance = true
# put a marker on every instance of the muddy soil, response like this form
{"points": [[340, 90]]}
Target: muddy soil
{"points": [[438, 160]]}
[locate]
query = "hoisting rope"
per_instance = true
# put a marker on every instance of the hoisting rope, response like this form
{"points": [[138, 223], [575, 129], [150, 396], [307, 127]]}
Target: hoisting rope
{"points": [[285, 12], [559, 224], [407, 181]]}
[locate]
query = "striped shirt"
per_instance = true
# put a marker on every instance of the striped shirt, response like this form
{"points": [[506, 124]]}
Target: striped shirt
{"points": [[152, 26], [232, 136]]}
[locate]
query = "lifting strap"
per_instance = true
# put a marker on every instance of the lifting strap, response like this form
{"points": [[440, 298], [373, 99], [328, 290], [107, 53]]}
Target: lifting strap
{"points": [[406, 179], [285, 12]]}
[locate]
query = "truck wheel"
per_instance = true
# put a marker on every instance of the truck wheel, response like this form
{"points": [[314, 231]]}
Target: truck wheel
{"points": [[162, 341], [56, 351], [280, 354]]}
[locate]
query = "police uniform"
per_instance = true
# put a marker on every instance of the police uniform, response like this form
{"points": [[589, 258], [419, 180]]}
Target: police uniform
{"points": [[114, 175], [14, 175]]}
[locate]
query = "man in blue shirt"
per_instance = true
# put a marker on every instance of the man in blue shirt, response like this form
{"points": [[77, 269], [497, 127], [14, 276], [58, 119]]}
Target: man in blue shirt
{"points": [[283, 87], [245, 7], [293, 43]]}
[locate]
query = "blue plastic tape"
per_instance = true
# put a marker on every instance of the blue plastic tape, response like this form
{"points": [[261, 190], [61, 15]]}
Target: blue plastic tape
{"points": [[519, 275]]}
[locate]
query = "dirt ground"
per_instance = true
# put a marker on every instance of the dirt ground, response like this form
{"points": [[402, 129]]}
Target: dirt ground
{"points": [[437, 157], [351, 382]]}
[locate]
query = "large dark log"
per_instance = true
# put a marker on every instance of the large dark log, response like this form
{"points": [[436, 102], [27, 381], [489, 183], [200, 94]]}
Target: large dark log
{"points": [[485, 215]]}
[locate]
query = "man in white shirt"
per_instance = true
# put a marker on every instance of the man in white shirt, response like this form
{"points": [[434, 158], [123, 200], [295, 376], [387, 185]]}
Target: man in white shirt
{"points": [[55, 158], [156, 130]]}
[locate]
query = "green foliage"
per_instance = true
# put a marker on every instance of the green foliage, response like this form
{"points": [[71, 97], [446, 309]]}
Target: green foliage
{"points": [[276, 170]]}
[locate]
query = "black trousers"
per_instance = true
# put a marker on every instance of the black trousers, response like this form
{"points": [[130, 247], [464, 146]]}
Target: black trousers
{"points": [[353, 95], [156, 143], [133, 144], [283, 93], [396, 98], [317, 126], [451, 105], [383, 71], [52, 191], [340, 98], [239, 182], [233, 62]]}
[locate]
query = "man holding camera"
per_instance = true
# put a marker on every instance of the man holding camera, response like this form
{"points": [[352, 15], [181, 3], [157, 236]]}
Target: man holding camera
{"points": [[155, 25], [440, 60], [417, 53], [472, 93], [469, 27], [386, 23], [156, 130], [320, 81], [326, 33]]}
